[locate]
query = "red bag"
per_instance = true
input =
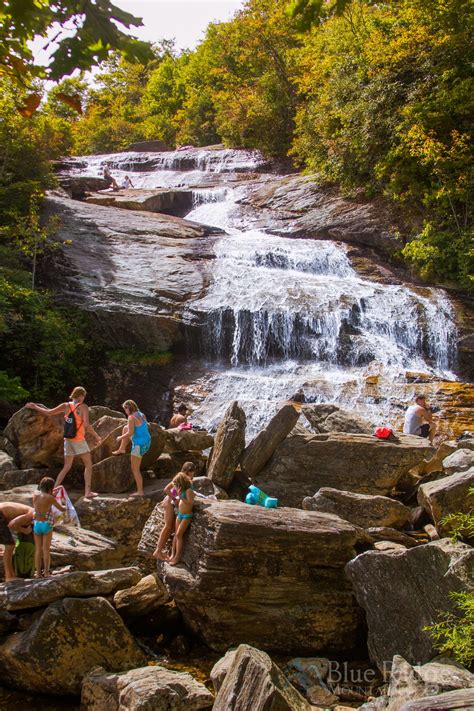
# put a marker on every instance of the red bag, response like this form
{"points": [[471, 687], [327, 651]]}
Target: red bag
{"points": [[383, 432]]}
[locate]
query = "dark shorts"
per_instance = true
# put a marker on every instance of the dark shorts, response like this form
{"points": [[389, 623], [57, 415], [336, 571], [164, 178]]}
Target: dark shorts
{"points": [[424, 430], [6, 537]]}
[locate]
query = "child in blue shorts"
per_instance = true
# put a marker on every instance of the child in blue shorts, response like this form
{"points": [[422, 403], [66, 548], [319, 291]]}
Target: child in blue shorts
{"points": [[43, 500]]}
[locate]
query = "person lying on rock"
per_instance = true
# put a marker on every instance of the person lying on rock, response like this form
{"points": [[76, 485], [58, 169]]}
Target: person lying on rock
{"points": [[136, 430], [43, 500], [185, 492], [76, 425], [180, 418], [171, 507], [14, 518]]}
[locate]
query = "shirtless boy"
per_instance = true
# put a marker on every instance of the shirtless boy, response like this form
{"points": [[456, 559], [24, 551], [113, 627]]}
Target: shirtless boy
{"points": [[16, 518]]}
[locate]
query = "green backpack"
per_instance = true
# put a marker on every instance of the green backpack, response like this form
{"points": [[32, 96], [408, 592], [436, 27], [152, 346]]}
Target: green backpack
{"points": [[24, 556]]}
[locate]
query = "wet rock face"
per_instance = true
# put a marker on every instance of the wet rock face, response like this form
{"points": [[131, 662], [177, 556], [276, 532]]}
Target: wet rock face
{"points": [[135, 271], [298, 205], [303, 463], [245, 563], [397, 614], [66, 642]]}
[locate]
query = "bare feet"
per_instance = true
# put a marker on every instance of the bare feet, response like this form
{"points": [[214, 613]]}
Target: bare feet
{"points": [[119, 451], [173, 561], [90, 494], [137, 493]]}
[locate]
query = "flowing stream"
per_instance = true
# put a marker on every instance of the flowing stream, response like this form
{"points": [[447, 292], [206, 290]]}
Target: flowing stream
{"points": [[283, 313]]}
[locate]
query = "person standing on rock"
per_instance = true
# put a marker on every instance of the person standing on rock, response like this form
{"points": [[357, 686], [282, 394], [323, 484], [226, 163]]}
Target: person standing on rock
{"points": [[14, 518], [43, 500], [170, 509], [180, 418], [419, 419], [138, 431], [76, 425], [184, 488]]}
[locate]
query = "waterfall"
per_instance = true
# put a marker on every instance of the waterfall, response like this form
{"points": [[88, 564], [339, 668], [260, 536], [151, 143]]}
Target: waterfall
{"points": [[280, 313]]}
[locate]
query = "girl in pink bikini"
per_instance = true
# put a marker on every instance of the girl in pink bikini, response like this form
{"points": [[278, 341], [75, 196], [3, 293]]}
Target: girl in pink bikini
{"points": [[171, 507]]}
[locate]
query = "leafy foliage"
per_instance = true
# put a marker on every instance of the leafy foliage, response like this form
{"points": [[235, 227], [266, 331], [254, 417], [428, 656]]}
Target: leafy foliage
{"points": [[41, 353], [85, 31], [461, 525], [454, 633]]}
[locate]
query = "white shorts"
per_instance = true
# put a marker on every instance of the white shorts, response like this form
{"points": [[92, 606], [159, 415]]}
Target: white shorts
{"points": [[72, 449]]}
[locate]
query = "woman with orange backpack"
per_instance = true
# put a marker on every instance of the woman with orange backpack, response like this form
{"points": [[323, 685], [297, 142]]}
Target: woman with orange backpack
{"points": [[76, 424]]}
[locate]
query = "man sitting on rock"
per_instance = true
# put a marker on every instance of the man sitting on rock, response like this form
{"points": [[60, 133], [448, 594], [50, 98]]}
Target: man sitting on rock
{"points": [[180, 418], [419, 419], [14, 518]]}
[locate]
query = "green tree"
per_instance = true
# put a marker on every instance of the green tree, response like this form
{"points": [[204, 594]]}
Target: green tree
{"points": [[85, 32]]}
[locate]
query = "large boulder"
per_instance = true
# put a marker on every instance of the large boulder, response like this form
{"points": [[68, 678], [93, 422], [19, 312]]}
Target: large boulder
{"points": [[446, 673], [327, 417], [254, 682], [168, 201], [447, 496], [38, 593], [116, 516], [304, 462], [112, 475], [37, 439], [245, 563], [146, 596], [408, 683], [360, 509], [144, 689], [459, 461], [387, 586], [187, 441], [260, 449], [68, 640], [14, 478], [229, 444], [86, 550]]}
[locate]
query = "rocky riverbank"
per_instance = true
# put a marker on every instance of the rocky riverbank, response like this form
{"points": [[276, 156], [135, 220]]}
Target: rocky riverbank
{"points": [[301, 599]]}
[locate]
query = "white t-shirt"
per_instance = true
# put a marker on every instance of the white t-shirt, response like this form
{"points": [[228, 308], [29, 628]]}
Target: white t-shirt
{"points": [[413, 421]]}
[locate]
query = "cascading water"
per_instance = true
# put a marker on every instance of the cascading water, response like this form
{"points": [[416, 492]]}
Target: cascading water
{"points": [[172, 168], [282, 313]]}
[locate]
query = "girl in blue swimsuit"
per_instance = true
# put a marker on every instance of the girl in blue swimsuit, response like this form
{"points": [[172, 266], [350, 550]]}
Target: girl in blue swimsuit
{"points": [[183, 486], [43, 500]]}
